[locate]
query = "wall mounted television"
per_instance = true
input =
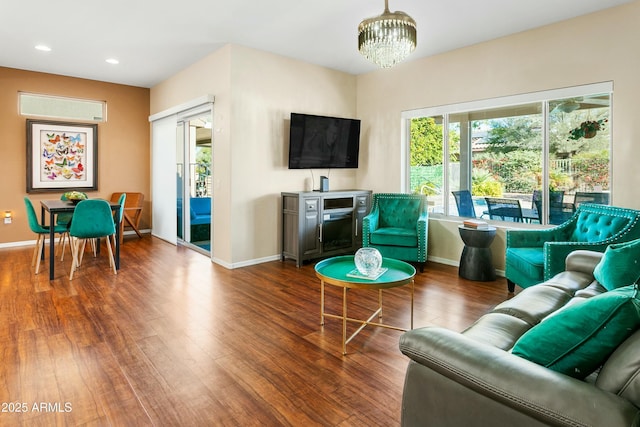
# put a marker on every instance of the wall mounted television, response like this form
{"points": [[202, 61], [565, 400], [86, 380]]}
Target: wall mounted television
{"points": [[319, 142]]}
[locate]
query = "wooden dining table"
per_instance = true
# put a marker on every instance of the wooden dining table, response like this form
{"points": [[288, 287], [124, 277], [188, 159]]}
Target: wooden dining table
{"points": [[57, 206]]}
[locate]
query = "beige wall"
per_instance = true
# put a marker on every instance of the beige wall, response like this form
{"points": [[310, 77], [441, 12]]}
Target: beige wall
{"points": [[589, 49], [209, 76], [123, 142], [256, 91], [253, 102]]}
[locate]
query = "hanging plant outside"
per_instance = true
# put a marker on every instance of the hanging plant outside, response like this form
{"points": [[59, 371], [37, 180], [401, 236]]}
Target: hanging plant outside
{"points": [[587, 129]]}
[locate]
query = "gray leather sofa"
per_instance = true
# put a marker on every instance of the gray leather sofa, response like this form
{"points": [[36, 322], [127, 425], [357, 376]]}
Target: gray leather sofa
{"points": [[471, 378]]}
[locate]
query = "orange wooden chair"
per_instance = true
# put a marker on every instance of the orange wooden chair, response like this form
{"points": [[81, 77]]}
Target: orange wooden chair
{"points": [[132, 211]]}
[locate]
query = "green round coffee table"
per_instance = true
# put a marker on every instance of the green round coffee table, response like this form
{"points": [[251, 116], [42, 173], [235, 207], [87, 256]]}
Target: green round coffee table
{"points": [[341, 271]]}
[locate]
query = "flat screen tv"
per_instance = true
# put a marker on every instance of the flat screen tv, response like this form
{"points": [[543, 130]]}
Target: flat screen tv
{"points": [[319, 142]]}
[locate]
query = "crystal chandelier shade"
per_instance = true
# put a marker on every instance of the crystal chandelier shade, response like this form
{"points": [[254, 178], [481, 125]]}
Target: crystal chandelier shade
{"points": [[387, 39]]}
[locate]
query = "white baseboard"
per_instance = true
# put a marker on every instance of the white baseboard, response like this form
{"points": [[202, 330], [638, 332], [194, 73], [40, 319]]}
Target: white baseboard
{"points": [[445, 261], [33, 242], [246, 263], [456, 263]]}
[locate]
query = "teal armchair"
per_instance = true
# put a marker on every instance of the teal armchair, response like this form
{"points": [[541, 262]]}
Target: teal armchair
{"points": [[534, 256], [397, 226]]}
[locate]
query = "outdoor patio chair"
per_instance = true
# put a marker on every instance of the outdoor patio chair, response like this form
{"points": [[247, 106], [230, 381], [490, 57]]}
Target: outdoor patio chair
{"points": [[464, 202], [559, 211], [504, 209], [590, 197]]}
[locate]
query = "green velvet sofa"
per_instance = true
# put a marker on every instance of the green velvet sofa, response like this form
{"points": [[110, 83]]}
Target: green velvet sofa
{"points": [[533, 256], [397, 226]]}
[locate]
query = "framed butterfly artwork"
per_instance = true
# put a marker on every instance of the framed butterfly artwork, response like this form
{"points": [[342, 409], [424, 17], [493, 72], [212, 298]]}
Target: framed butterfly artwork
{"points": [[61, 156]]}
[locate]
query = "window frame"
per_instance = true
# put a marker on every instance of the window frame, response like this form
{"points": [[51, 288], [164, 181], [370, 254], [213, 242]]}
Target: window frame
{"points": [[64, 100], [543, 97]]}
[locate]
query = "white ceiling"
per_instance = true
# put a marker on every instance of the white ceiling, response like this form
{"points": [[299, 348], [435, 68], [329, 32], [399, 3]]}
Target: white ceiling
{"points": [[155, 39]]}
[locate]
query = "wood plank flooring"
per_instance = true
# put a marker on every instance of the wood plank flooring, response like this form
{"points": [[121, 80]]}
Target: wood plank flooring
{"points": [[174, 340]]}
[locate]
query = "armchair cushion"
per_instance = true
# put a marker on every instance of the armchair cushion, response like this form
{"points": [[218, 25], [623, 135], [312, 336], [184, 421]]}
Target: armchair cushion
{"points": [[578, 339], [395, 236], [530, 261], [620, 265]]}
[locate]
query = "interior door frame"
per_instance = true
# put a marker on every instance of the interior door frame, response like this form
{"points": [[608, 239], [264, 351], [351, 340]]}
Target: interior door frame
{"points": [[163, 159]]}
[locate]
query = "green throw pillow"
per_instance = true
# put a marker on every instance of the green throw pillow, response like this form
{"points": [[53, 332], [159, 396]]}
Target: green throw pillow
{"points": [[619, 266], [578, 339]]}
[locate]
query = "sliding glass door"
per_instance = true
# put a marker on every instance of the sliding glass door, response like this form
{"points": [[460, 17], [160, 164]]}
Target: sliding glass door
{"points": [[194, 181]]}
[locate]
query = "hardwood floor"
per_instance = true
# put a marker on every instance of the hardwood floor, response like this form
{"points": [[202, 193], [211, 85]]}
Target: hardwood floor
{"points": [[176, 340]]}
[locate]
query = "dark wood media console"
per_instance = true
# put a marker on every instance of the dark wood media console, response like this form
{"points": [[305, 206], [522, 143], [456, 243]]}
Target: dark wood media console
{"points": [[321, 224]]}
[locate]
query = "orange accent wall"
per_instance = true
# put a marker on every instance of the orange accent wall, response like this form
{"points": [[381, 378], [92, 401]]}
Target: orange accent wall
{"points": [[123, 143]]}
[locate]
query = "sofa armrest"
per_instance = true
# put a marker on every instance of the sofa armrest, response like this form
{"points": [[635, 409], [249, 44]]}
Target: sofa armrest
{"points": [[423, 223], [424, 217], [527, 238], [583, 261], [474, 372], [369, 225], [371, 219], [555, 254], [537, 238]]}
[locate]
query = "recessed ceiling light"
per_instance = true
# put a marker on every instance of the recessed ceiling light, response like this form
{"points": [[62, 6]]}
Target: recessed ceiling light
{"points": [[113, 61], [43, 48]]}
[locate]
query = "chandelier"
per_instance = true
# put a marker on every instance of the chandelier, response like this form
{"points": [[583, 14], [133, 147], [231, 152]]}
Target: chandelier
{"points": [[387, 39]]}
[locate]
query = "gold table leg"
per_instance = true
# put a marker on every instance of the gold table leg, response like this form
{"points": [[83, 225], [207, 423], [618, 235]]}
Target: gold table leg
{"points": [[363, 323], [321, 302], [344, 321], [412, 282]]}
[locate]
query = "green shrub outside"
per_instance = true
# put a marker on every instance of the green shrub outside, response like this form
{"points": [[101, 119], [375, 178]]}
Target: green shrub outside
{"points": [[592, 169], [484, 184]]}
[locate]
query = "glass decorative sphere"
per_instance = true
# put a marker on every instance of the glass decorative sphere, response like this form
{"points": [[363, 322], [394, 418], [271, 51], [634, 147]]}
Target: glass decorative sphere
{"points": [[368, 261]]}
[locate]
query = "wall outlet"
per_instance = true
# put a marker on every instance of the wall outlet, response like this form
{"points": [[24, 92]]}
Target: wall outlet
{"points": [[7, 220]]}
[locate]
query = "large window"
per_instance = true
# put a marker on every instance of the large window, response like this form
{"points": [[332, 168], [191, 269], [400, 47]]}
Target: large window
{"points": [[529, 158]]}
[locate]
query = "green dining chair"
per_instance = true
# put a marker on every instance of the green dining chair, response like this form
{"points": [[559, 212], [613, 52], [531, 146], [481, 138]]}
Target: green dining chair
{"points": [[92, 219], [118, 217], [42, 232], [64, 219]]}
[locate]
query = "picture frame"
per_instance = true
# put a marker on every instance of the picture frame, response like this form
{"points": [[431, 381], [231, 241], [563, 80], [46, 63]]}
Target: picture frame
{"points": [[61, 156]]}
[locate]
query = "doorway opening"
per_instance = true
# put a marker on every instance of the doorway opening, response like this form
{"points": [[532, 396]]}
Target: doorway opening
{"points": [[194, 182]]}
